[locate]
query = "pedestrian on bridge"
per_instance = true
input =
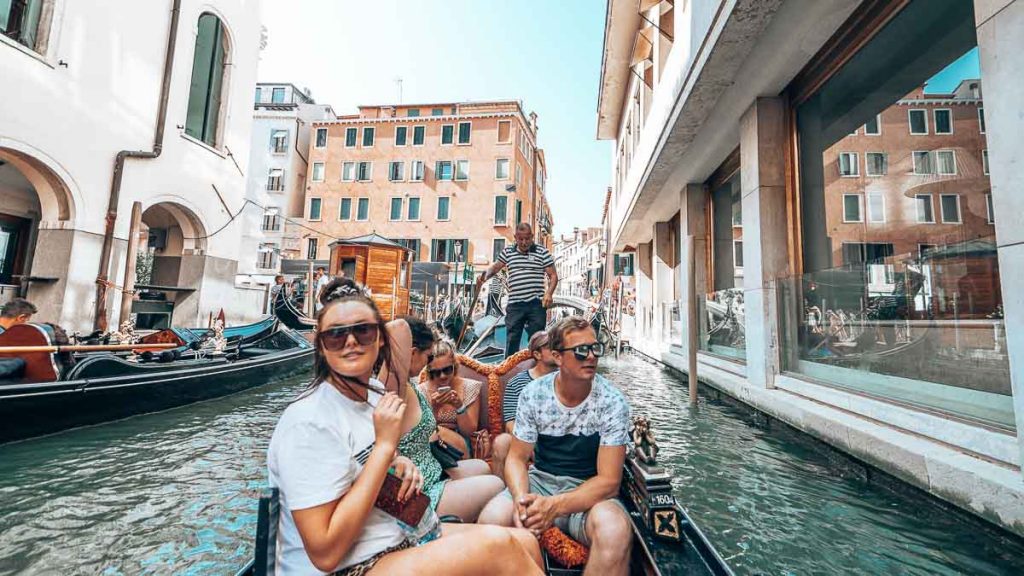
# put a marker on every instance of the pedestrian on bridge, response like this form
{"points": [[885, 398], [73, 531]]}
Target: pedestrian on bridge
{"points": [[528, 264]]}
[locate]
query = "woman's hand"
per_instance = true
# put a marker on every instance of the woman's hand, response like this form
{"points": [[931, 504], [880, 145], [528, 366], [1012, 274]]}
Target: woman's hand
{"points": [[412, 479], [450, 397], [387, 420]]}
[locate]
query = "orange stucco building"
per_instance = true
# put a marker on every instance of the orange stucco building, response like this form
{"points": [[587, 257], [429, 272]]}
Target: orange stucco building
{"points": [[443, 179]]}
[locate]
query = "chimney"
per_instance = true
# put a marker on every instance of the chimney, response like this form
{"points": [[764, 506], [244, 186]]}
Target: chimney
{"points": [[533, 123]]}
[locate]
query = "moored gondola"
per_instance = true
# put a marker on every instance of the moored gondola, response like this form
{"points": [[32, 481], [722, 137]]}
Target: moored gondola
{"points": [[665, 539], [49, 394]]}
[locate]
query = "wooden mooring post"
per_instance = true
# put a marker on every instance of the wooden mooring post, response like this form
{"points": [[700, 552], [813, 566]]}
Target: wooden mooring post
{"points": [[691, 319]]}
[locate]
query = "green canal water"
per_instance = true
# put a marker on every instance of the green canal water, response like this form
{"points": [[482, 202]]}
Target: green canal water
{"points": [[175, 493]]}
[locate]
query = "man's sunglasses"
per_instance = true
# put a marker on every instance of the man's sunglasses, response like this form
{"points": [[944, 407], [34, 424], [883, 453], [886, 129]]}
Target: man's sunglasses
{"points": [[335, 338], [441, 371], [583, 350]]}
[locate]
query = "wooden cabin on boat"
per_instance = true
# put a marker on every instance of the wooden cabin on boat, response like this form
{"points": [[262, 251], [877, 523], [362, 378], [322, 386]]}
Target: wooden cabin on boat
{"points": [[380, 264]]}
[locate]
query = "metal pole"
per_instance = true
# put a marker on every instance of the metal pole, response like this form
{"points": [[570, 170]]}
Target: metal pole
{"points": [[310, 291], [128, 290], [691, 319]]}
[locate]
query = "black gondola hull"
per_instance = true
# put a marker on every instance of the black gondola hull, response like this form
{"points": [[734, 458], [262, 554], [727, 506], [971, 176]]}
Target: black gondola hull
{"points": [[30, 410]]}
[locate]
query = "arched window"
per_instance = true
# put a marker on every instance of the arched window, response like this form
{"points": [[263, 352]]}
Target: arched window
{"points": [[207, 80]]}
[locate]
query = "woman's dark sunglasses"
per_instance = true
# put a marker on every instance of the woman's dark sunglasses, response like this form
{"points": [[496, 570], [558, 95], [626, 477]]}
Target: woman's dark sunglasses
{"points": [[583, 350], [441, 371], [335, 338]]}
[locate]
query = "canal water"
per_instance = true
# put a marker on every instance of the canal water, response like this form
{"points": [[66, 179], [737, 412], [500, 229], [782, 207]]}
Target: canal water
{"points": [[175, 493]]}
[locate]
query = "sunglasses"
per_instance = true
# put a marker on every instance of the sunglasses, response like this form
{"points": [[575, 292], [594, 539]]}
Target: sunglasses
{"points": [[582, 351], [335, 338], [441, 371]]}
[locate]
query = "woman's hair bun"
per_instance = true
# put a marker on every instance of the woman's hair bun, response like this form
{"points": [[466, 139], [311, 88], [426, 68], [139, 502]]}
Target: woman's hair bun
{"points": [[341, 288]]}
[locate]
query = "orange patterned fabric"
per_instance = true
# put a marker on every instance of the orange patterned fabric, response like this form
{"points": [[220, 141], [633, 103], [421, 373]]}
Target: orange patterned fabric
{"points": [[561, 547]]}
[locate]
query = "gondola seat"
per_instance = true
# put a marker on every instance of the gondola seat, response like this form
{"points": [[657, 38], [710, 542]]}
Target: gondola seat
{"points": [[11, 368]]}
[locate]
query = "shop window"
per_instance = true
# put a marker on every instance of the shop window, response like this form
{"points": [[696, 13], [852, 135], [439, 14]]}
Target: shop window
{"points": [[900, 294], [722, 331]]}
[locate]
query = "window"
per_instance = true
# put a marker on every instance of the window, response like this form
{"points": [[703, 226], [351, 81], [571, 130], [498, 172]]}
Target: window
{"points": [[266, 258], [259, 95], [21, 21], [464, 132], [925, 214], [311, 248], [443, 207], [364, 171], [462, 169], [314, 208], [623, 265], [500, 210], [918, 121], [874, 126], [277, 96], [501, 169], [876, 208], [984, 161], [412, 112], [275, 180], [348, 172], [950, 204], [988, 209], [737, 253], [922, 163], [416, 170], [413, 244], [350, 137], [443, 170], [203, 111], [519, 211], [447, 134], [401, 132], [924, 249], [496, 247], [396, 209], [848, 164], [363, 209], [414, 209], [271, 222], [368, 132], [396, 171], [945, 161], [279, 141], [418, 135], [321, 137], [318, 171], [519, 174], [943, 121], [437, 111], [448, 250], [504, 131], [876, 163], [345, 210], [852, 208], [866, 252], [981, 119]]}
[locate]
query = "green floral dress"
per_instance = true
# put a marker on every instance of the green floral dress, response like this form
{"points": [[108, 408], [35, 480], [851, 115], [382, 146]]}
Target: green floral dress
{"points": [[415, 446]]}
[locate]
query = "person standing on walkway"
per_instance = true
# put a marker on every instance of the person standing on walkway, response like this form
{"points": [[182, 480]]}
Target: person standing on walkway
{"points": [[527, 264]]}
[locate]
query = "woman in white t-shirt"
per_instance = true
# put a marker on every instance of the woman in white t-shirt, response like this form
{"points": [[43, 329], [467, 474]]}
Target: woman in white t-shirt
{"points": [[331, 451]]}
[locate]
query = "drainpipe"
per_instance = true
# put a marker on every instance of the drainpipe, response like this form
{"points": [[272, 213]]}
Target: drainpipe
{"points": [[100, 318]]}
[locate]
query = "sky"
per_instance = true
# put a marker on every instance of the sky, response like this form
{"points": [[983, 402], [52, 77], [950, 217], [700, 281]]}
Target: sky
{"points": [[966, 66], [545, 53]]}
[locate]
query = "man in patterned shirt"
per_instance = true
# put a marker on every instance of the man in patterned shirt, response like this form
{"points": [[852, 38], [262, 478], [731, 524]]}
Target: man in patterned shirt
{"points": [[574, 424]]}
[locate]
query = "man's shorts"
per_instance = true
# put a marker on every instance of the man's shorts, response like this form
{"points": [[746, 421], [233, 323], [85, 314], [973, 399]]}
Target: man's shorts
{"points": [[546, 484]]}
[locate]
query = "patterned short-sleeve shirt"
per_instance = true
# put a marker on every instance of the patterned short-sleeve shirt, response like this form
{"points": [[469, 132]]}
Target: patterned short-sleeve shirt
{"points": [[566, 439]]}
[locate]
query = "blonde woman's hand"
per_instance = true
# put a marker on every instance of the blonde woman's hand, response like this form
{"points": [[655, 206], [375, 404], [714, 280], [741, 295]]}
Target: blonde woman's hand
{"points": [[387, 420]]}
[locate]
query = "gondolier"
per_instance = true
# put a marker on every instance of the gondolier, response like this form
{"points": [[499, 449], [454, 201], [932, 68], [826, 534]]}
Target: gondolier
{"points": [[527, 264]]}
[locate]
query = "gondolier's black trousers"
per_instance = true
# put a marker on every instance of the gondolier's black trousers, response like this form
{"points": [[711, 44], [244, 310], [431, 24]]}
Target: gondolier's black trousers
{"points": [[530, 315]]}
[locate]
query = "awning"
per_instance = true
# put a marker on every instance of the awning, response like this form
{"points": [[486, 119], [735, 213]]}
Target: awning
{"points": [[643, 46]]}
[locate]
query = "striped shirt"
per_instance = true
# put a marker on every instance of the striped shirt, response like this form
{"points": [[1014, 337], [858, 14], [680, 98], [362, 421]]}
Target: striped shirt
{"points": [[514, 387], [525, 272]]}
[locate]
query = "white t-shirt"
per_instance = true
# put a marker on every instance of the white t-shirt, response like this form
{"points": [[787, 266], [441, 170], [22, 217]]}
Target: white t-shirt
{"points": [[320, 283], [315, 455]]}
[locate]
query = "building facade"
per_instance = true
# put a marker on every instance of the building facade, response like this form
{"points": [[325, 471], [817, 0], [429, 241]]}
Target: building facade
{"points": [[580, 260], [87, 129], [450, 181], [845, 172], [282, 119]]}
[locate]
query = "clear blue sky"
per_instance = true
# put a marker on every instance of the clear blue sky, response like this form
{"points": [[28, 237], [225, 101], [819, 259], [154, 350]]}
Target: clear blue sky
{"points": [[964, 67], [546, 53]]}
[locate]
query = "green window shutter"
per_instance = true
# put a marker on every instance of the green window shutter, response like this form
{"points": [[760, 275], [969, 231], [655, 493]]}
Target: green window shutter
{"points": [[396, 208], [207, 77], [400, 134], [346, 208], [363, 211], [314, 208], [414, 208], [419, 134]]}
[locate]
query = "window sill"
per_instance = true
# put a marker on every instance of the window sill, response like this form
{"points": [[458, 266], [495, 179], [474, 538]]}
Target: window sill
{"points": [[27, 51], [204, 145]]}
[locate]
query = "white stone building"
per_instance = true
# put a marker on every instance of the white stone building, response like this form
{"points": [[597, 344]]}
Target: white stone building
{"points": [[170, 81], [756, 128], [579, 260], [282, 118]]}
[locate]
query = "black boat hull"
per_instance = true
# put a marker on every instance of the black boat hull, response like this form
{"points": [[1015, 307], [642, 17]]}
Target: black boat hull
{"points": [[30, 410]]}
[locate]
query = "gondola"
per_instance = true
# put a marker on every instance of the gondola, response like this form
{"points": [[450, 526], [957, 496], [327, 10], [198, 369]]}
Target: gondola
{"points": [[290, 316], [665, 539], [46, 392]]}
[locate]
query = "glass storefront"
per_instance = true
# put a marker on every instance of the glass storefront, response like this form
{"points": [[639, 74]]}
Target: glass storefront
{"points": [[901, 294], [722, 328]]}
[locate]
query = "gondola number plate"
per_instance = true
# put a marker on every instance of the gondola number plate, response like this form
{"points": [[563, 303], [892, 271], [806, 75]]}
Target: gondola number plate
{"points": [[662, 500]]}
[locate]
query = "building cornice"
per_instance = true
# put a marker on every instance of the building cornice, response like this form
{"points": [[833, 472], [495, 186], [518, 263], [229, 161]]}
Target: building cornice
{"points": [[425, 119]]}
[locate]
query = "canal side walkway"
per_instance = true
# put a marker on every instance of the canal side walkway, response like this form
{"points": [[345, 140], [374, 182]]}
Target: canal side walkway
{"points": [[925, 450]]}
